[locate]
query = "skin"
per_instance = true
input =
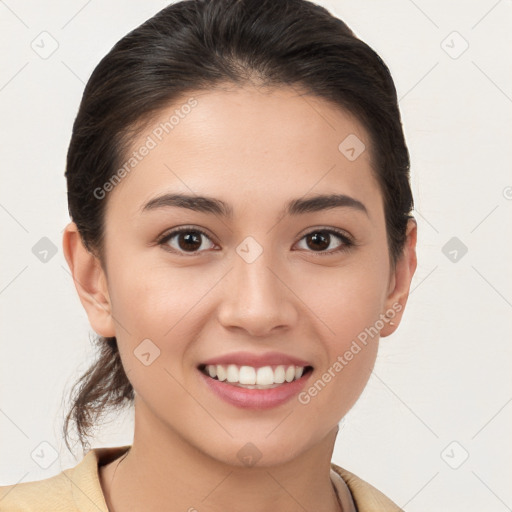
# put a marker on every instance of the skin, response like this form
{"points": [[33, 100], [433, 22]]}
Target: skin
{"points": [[256, 150]]}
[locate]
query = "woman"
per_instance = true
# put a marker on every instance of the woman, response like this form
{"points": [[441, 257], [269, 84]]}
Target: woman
{"points": [[241, 237]]}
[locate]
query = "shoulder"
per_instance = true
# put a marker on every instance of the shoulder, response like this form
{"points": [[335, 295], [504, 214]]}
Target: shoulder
{"points": [[366, 497], [72, 490], [50, 494]]}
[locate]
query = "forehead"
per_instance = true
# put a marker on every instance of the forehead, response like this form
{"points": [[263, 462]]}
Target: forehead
{"points": [[246, 143]]}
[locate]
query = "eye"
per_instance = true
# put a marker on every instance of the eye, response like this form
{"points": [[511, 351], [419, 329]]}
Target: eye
{"points": [[189, 240], [183, 240], [320, 239]]}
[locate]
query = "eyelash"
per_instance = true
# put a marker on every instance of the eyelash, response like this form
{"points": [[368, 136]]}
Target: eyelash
{"points": [[347, 242]]}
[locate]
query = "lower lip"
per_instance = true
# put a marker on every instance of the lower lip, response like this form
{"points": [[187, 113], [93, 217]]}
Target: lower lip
{"points": [[255, 398]]}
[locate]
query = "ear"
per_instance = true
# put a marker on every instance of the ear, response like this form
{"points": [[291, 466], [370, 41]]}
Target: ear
{"points": [[400, 282], [90, 281]]}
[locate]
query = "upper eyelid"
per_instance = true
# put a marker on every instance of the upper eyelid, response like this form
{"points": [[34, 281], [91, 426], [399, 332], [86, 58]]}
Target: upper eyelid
{"points": [[167, 235], [336, 231], [175, 231]]}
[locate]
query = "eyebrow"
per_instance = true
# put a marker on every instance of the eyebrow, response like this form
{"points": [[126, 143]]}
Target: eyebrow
{"points": [[218, 207]]}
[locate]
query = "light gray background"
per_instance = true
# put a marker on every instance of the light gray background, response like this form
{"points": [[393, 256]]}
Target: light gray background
{"points": [[442, 386]]}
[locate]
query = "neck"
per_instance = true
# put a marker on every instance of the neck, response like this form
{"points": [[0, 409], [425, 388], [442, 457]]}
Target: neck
{"points": [[163, 472]]}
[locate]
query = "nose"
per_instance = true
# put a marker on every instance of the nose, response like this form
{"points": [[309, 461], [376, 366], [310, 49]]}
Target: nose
{"points": [[257, 298]]}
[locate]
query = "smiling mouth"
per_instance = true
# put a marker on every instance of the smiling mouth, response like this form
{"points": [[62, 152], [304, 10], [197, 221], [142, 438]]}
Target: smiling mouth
{"points": [[249, 377]]}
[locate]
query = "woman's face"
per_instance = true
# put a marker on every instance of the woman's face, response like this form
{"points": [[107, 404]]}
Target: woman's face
{"points": [[265, 279]]}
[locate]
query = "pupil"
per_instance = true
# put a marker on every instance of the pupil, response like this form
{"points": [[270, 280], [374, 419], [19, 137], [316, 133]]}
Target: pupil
{"points": [[192, 241], [317, 237], [191, 238]]}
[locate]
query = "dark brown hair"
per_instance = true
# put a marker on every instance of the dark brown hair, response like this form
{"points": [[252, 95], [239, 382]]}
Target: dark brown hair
{"points": [[197, 45]]}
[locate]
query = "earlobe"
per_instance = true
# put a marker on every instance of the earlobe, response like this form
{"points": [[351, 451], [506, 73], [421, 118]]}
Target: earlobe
{"points": [[400, 281], [90, 281]]}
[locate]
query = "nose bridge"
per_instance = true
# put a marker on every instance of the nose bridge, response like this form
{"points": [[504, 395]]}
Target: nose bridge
{"points": [[254, 297]]}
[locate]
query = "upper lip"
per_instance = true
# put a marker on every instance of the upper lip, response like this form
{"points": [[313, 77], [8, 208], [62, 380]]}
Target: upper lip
{"points": [[256, 360]]}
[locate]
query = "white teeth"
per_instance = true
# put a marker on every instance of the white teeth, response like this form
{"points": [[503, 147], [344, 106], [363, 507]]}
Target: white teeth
{"points": [[290, 373], [279, 375], [221, 372], [232, 373], [265, 376], [254, 377], [247, 375]]}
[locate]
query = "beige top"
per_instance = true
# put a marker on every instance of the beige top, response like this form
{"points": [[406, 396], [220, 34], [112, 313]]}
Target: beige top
{"points": [[78, 489]]}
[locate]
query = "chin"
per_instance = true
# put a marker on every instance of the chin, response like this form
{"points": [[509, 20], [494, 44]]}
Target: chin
{"points": [[257, 451]]}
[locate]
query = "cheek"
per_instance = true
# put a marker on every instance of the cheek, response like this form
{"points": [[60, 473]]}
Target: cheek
{"points": [[157, 312], [163, 305], [338, 386], [350, 341], [345, 300], [152, 299], [348, 302], [156, 331]]}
